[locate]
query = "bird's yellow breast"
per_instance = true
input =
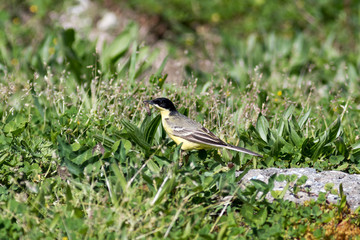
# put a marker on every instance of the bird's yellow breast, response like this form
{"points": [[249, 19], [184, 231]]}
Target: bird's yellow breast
{"points": [[186, 145]]}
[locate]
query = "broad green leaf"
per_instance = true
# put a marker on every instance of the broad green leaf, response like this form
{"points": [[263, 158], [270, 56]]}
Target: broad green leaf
{"points": [[222, 232], [302, 180], [4, 140], [306, 148], [3, 157], [68, 37], [16, 126], [246, 170], [325, 138], [342, 167], [276, 146], [275, 193], [259, 185], [68, 195], [302, 120], [151, 127], [292, 177], [54, 221], [283, 192], [115, 146], [328, 187], [262, 126], [85, 156], [295, 138], [356, 146], [230, 175], [153, 167], [127, 145], [247, 211], [334, 131], [280, 129], [123, 151], [118, 47], [65, 151], [336, 159], [75, 146], [318, 150], [260, 217], [280, 178], [187, 231], [288, 112], [145, 122], [146, 59], [26, 146], [46, 44], [341, 146], [93, 167], [271, 181]]}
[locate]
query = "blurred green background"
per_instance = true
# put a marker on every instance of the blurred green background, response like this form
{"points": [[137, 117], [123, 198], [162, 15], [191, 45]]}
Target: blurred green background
{"points": [[313, 38]]}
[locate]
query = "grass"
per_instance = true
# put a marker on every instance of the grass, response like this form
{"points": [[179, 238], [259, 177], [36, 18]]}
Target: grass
{"points": [[81, 159]]}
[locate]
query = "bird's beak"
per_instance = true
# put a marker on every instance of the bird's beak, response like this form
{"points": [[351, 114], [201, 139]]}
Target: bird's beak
{"points": [[149, 102]]}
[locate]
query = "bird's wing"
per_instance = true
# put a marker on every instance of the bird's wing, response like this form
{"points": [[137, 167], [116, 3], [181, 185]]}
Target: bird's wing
{"points": [[192, 131]]}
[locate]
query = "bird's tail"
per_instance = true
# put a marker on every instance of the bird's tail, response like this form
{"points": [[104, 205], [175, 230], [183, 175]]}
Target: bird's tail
{"points": [[244, 150]]}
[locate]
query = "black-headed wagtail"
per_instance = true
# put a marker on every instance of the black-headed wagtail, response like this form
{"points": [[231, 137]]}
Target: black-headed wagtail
{"points": [[191, 134]]}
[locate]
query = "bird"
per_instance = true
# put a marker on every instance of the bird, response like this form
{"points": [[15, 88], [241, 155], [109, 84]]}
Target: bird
{"points": [[190, 133]]}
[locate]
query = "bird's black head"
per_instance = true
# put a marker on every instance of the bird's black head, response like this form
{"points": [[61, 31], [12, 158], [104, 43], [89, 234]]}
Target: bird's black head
{"points": [[162, 103]]}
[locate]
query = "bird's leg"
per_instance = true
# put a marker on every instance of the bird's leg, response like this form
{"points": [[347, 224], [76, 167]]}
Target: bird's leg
{"points": [[187, 158], [181, 158]]}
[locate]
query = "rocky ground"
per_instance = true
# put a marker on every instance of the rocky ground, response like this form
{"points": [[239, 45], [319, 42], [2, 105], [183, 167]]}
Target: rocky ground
{"points": [[313, 186]]}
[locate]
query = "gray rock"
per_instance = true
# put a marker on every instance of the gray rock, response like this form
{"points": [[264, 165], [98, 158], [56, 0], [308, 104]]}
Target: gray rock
{"points": [[313, 186]]}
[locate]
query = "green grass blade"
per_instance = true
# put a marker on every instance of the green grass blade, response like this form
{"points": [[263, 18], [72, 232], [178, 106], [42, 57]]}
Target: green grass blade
{"points": [[136, 135], [151, 128]]}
